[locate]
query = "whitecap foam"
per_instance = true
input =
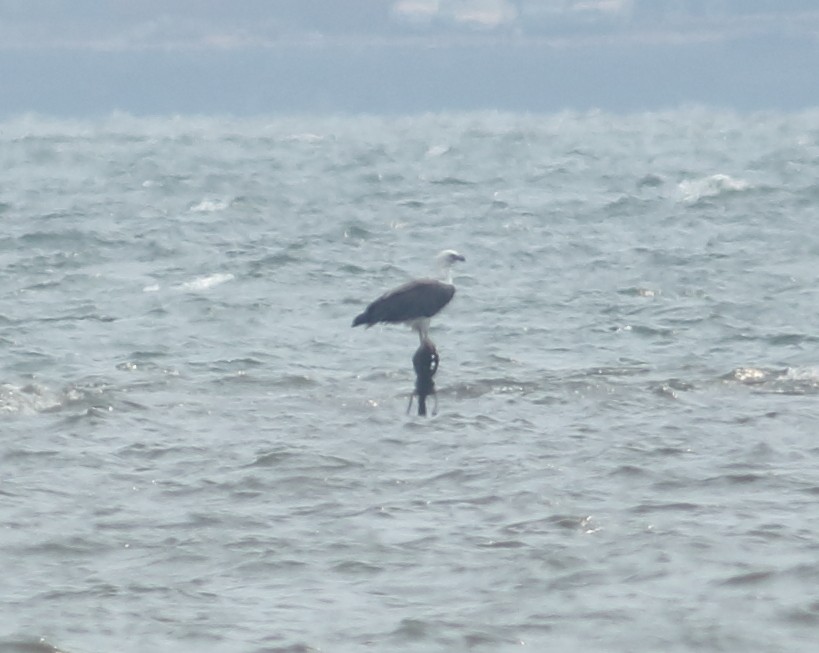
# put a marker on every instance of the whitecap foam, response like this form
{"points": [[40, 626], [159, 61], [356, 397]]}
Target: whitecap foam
{"points": [[693, 190], [436, 151], [749, 375], [209, 206], [305, 138], [206, 282], [802, 374]]}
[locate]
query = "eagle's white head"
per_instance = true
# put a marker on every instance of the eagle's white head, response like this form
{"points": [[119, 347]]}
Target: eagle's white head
{"points": [[445, 260]]}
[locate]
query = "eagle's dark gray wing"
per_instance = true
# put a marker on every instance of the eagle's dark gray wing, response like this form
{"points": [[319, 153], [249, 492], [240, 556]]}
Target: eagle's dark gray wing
{"points": [[415, 299]]}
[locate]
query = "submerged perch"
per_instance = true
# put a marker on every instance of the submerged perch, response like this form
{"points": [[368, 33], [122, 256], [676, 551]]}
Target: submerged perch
{"points": [[425, 361]]}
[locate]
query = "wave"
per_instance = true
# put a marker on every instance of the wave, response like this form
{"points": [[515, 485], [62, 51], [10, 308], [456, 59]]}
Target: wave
{"points": [[634, 381], [27, 645], [30, 399], [36, 398], [501, 385], [787, 381]]}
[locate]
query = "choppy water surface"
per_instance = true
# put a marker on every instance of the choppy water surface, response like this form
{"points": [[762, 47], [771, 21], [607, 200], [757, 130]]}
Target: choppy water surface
{"points": [[199, 453]]}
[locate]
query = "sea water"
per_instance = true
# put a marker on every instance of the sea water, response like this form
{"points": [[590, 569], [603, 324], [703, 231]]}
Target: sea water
{"points": [[200, 454]]}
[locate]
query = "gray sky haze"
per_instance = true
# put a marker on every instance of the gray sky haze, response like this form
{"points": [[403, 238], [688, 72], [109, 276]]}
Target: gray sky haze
{"points": [[85, 57]]}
